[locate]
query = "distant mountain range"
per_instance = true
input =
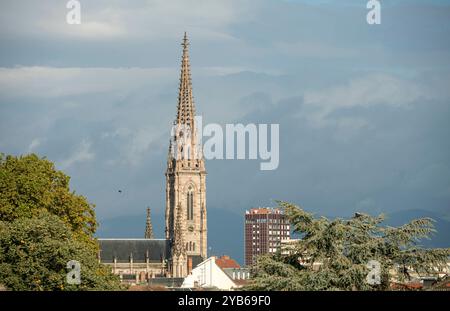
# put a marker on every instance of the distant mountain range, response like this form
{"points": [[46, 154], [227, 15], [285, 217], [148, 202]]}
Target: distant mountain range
{"points": [[226, 229]]}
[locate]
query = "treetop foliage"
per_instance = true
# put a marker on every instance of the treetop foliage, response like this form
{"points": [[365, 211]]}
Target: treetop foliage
{"points": [[34, 253], [333, 254], [43, 226], [29, 184]]}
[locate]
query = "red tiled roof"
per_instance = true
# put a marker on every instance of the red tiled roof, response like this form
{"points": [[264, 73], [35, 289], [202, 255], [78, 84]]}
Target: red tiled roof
{"points": [[395, 285], [226, 262]]}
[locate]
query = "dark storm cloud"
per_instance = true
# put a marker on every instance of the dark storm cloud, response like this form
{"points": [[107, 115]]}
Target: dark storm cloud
{"points": [[362, 110]]}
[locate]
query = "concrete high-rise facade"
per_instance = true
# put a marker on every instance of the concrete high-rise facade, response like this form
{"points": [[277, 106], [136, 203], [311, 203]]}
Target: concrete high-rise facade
{"points": [[265, 229]]}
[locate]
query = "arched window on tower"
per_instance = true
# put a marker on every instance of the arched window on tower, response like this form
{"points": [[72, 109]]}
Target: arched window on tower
{"points": [[190, 203]]}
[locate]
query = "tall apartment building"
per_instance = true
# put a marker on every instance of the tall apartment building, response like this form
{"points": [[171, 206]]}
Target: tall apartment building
{"points": [[265, 228]]}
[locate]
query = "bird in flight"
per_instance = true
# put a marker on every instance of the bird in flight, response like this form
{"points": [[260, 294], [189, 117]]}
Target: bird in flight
{"points": [[120, 191]]}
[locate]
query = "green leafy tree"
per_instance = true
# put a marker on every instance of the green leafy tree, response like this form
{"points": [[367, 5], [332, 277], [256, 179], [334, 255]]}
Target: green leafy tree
{"points": [[34, 253], [43, 225], [333, 254], [29, 184]]}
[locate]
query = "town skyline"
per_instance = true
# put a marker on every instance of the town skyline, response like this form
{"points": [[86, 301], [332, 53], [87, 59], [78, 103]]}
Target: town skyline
{"points": [[362, 109]]}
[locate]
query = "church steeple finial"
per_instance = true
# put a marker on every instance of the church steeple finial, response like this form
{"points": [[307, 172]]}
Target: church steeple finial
{"points": [[148, 226], [185, 109], [185, 43]]}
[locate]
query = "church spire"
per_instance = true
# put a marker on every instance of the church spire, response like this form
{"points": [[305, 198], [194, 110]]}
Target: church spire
{"points": [[186, 226], [186, 108], [148, 226]]}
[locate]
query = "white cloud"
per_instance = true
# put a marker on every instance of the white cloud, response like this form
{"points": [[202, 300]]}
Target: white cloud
{"points": [[105, 20], [309, 49], [34, 144], [219, 71], [134, 144], [53, 82], [139, 145], [121, 132], [375, 89], [82, 153], [87, 30], [48, 19]]}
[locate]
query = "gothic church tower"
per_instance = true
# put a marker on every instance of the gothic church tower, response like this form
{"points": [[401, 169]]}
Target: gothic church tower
{"points": [[185, 181]]}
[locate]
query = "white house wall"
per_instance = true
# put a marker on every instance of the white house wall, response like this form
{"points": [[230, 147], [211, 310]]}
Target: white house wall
{"points": [[208, 274]]}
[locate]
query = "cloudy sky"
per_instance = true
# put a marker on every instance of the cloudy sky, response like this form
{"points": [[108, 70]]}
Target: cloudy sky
{"points": [[364, 110]]}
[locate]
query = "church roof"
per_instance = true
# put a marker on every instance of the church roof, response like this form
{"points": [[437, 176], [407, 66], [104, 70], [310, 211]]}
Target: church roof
{"points": [[196, 260], [122, 249]]}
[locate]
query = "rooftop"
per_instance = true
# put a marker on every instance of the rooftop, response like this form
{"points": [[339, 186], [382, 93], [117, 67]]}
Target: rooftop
{"points": [[155, 250], [264, 210], [226, 262]]}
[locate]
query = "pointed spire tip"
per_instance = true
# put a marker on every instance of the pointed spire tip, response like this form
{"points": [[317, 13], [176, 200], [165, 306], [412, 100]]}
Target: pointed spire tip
{"points": [[185, 41]]}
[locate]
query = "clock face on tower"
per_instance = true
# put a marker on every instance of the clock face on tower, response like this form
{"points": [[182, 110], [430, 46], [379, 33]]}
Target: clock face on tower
{"points": [[191, 228]]}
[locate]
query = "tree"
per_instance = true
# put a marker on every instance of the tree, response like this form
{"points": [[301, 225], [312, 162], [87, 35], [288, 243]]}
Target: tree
{"points": [[43, 225], [34, 253], [333, 254], [29, 184]]}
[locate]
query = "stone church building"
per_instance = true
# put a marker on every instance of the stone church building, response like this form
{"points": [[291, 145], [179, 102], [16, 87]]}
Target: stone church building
{"points": [[185, 242]]}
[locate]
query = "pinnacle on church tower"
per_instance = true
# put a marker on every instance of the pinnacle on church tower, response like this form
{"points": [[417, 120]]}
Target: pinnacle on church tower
{"points": [[178, 243], [148, 226]]}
